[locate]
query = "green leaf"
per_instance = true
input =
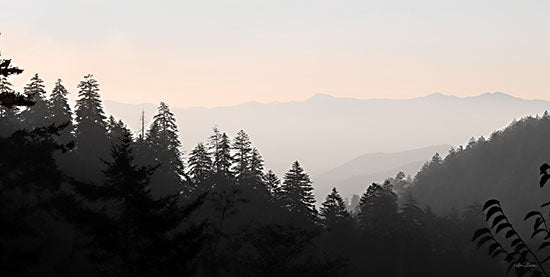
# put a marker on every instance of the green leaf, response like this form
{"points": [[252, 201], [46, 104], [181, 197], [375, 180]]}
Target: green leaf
{"points": [[480, 232], [544, 245], [531, 214], [489, 203]]}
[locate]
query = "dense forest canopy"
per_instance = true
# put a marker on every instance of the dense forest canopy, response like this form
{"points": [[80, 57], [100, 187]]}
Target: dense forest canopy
{"points": [[80, 195]]}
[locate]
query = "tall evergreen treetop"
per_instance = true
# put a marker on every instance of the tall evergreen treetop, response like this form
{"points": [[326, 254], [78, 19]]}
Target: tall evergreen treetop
{"points": [[164, 131], [6, 89], [333, 211], [256, 164], [220, 149], [91, 128], [214, 142], [298, 192], [273, 184], [164, 144], [241, 158], [37, 114], [60, 111], [378, 210], [200, 163], [5, 85], [116, 129]]}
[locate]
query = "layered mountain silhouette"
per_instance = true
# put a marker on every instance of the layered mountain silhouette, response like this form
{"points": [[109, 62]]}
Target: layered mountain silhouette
{"points": [[354, 176], [324, 131]]}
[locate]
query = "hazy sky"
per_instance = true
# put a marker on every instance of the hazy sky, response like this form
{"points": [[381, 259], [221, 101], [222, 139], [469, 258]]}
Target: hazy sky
{"points": [[210, 53]]}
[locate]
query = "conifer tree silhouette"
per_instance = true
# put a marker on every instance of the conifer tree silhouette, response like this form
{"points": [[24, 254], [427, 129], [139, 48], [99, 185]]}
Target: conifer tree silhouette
{"points": [[333, 212], [37, 114], [200, 164], [134, 234], [242, 152], [92, 142], [116, 129], [9, 117], [220, 148], [378, 211], [256, 165], [297, 193], [164, 146], [60, 111], [273, 184]]}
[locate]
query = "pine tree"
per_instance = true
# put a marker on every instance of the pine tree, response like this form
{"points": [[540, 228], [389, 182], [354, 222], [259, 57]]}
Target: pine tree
{"points": [[200, 164], [92, 143], [298, 193], [333, 212], [91, 128], [220, 149], [60, 111], [241, 158], [214, 145], [378, 210], [256, 164], [273, 184], [134, 234], [116, 129], [37, 114], [165, 145], [9, 118]]}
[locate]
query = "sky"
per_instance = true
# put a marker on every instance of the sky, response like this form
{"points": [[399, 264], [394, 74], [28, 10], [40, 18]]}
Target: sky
{"points": [[217, 53]]}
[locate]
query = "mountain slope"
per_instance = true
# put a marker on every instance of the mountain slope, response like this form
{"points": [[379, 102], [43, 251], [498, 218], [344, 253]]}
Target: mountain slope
{"points": [[354, 176], [504, 167]]}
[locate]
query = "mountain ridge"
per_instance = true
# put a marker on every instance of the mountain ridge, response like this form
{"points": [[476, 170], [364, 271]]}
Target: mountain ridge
{"points": [[329, 131], [327, 96]]}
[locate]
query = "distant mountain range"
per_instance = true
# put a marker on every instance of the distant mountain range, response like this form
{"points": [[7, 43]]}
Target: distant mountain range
{"points": [[324, 132]]}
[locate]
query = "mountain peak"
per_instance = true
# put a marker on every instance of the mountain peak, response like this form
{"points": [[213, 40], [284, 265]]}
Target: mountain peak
{"points": [[437, 95], [496, 94], [321, 96]]}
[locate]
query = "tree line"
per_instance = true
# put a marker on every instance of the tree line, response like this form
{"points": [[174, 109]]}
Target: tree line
{"points": [[81, 195]]}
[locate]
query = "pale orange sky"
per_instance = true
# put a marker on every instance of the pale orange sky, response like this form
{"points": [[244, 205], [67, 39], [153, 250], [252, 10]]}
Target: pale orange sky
{"points": [[229, 52]]}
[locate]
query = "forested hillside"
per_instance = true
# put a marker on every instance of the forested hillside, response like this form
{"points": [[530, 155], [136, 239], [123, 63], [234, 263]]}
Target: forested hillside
{"points": [[503, 166], [81, 195]]}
